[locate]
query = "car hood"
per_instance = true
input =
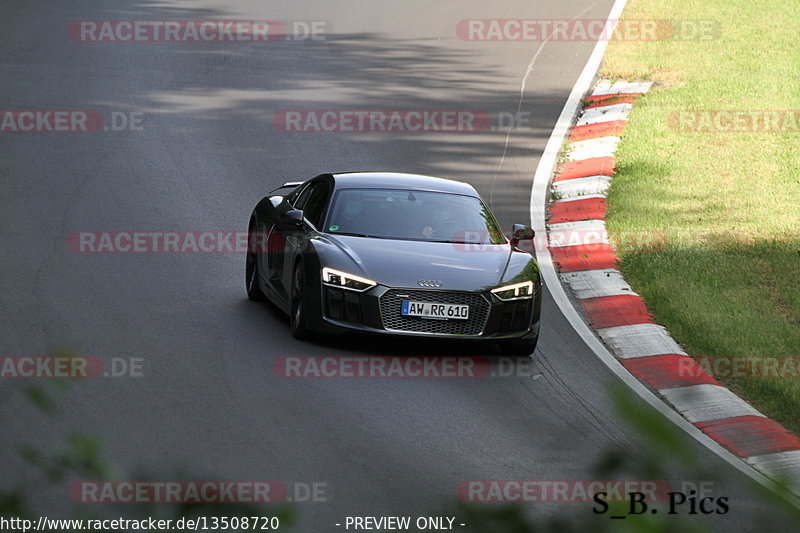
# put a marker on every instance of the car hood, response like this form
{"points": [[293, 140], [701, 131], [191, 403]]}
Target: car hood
{"points": [[398, 263]]}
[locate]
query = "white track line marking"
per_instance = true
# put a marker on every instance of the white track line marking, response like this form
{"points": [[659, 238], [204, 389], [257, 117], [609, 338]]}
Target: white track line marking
{"points": [[589, 186], [607, 113], [584, 197], [603, 88], [639, 340], [601, 147], [528, 72], [577, 233], [597, 283], [699, 403], [781, 466]]}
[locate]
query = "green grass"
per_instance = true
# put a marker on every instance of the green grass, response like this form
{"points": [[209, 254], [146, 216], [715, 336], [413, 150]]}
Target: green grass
{"points": [[726, 280]]}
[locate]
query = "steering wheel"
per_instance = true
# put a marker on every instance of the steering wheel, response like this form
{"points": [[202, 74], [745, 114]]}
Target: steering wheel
{"points": [[445, 228]]}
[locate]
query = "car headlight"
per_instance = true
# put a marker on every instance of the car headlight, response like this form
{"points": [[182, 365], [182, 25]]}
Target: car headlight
{"points": [[514, 292], [345, 280]]}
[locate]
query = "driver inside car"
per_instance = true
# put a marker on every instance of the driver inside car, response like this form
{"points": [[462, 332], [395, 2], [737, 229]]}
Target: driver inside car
{"points": [[348, 219], [437, 223]]}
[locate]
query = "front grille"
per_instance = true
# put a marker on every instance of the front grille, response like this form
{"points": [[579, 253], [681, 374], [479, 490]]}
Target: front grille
{"points": [[391, 303]]}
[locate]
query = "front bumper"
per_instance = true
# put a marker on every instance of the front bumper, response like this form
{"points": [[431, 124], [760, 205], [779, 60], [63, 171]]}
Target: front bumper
{"points": [[378, 311]]}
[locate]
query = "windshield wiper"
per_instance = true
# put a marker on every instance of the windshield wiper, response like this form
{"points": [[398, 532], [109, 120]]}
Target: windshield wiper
{"points": [[351, 234], [457, 242]]}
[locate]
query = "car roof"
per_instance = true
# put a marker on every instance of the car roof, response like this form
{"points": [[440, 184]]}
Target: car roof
{"points": [[399, 180]]}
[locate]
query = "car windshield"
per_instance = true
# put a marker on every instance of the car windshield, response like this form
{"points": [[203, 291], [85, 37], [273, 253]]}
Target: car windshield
{"points": [[413, 215]]}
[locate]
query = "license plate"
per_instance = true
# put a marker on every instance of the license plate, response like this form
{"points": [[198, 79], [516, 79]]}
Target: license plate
{"points": [[432, 310]]}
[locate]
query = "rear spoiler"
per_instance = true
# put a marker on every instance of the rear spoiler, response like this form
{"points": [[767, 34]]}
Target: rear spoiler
{"points": [[287, 185]]}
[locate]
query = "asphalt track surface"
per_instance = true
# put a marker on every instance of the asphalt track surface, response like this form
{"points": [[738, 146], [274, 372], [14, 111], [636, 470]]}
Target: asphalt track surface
{"points": [[209, 400]]}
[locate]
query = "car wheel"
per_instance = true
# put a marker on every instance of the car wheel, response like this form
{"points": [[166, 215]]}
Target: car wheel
{"points": [[297, 315], [254, 291], [519, 346]]}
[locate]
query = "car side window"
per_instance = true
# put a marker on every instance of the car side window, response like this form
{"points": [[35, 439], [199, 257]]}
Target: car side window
{"points": [[315, 204], [301, 199]]}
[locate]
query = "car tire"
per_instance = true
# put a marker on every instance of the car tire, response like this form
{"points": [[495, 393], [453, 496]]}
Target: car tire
{"points": [[297, 315], [519, 346], [254, 291]]}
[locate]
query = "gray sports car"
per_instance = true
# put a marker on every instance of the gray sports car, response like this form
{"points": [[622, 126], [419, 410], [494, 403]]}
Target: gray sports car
{"points": [[397, 254]]}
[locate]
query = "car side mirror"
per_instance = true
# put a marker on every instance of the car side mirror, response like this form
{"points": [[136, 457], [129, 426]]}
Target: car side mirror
{"points": [[293, 217], [521, 232]]}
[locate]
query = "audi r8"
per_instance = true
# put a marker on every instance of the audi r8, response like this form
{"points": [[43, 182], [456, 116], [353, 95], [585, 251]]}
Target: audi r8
{"points": [[393, 254]]}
